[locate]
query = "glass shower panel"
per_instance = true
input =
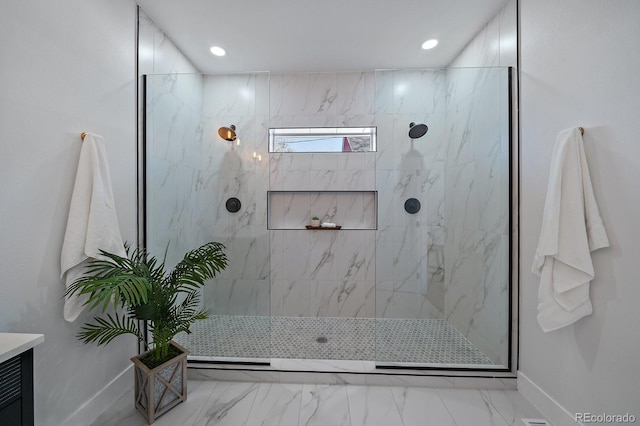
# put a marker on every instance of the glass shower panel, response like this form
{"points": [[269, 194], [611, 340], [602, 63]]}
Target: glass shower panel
{"points": [[192, 177], [442, 245]]}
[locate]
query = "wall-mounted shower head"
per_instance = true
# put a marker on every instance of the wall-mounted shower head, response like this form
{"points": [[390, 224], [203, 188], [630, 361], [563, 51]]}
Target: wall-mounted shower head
{"points": [[417, 130], [228, 133]]}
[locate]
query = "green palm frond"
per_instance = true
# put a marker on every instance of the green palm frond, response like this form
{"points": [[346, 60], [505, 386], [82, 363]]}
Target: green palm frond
{"points": [[167, 303], [107, 329], [199, 265]]}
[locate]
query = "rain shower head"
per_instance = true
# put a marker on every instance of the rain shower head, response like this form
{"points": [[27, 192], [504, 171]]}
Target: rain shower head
{"points": [[417, 130], [228, 133]]}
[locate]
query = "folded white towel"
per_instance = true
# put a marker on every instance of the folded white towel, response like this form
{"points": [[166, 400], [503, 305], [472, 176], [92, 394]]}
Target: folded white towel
{"points": [[571, 230], [328, 225], [92, 224]]}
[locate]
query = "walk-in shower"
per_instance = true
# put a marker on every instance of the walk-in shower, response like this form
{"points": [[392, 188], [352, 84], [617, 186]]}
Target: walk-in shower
{"points": [[418, 273]]}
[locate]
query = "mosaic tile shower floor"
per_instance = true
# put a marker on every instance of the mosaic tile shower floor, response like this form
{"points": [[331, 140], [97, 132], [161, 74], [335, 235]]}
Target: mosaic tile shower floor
{"points": [[424, 341]]}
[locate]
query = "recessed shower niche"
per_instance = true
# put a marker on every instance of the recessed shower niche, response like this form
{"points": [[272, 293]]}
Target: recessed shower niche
{"points": [[349, 209]]}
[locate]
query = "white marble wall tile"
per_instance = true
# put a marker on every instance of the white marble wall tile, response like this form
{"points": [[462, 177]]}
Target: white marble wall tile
{"points": [[461, 204], [323, 205], [275, 98], [388, 156], [354, 120], [158, 54], [241, 99], [369, 406], [351, 94], [357, 161], [416, 91], [432, 145], [324, 161], [384, 96], [397, 304], [322, 93], [262, 93], [351, 299], [351, 212], [476, 300], [355, 180], [324, 405], [492, 172], [459, 148], [291, 298], [216, 99], [236, 297], [289, 210], [484, 49], [276, 258], [295, 90]]}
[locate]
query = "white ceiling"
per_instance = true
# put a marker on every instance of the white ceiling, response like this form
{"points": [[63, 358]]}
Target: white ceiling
{"points": [[319, 35]]}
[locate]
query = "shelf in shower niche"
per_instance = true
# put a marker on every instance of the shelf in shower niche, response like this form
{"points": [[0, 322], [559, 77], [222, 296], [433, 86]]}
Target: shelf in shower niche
{"points": [[291, 210], [324, 228]]}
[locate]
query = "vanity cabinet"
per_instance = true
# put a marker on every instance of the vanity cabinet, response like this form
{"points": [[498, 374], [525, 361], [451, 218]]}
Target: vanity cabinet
{"points": [[16, 378]]}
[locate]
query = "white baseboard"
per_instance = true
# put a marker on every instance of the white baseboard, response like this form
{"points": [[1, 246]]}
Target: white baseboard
{"points": [[552, 410], [86, 414]]}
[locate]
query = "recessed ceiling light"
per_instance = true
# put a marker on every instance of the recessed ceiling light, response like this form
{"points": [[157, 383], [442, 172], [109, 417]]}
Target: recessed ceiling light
{"points": [[430, 44], [218, 51]]}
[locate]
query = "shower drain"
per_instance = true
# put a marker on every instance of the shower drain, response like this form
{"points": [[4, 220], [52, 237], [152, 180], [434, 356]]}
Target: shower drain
{"points": [[321, 339]]}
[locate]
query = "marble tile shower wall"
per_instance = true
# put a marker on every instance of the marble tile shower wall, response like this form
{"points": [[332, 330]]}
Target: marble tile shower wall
{"points": [[297, 272], [477, 204], [477, 208], [232, 171], [323, 273], [174, 163], [409, 247], [304, 273]]}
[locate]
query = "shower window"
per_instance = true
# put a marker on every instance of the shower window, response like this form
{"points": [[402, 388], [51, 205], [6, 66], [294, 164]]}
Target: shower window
{"points": [[323, 139]]}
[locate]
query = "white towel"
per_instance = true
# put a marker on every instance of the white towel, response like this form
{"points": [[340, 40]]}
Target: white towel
{"points": [[571, 230], [92, 224], [328, 225]]}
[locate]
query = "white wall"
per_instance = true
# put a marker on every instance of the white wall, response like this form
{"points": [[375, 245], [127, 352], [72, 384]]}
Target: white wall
{"points": [[580, 66], [66, 67]]}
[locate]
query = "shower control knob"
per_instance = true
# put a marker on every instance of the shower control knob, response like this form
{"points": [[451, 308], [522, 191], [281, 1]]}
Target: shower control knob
{"points": [[412, 206], [233, 205]]}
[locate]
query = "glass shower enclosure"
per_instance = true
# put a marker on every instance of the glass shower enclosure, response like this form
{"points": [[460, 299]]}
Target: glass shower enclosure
{"points": [[418, 273]]}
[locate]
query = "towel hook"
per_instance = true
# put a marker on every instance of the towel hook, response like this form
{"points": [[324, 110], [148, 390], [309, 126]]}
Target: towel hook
{"points": [[581, 130], [83, 135]]}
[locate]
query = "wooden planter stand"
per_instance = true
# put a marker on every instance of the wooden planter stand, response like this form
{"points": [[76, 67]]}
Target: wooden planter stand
{"points": [[162, 388]]}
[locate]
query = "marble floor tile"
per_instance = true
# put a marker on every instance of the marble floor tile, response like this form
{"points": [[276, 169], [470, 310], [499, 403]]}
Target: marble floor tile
{"points": [[511, 405], [421, 406], [372, 406], [469, 407], [229, 404], [212, 402], [123, 412], [324, 405], [276, 404]]}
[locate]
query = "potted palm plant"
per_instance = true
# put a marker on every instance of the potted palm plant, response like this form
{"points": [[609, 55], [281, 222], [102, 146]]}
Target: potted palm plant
{"points": [[135, 295]]}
